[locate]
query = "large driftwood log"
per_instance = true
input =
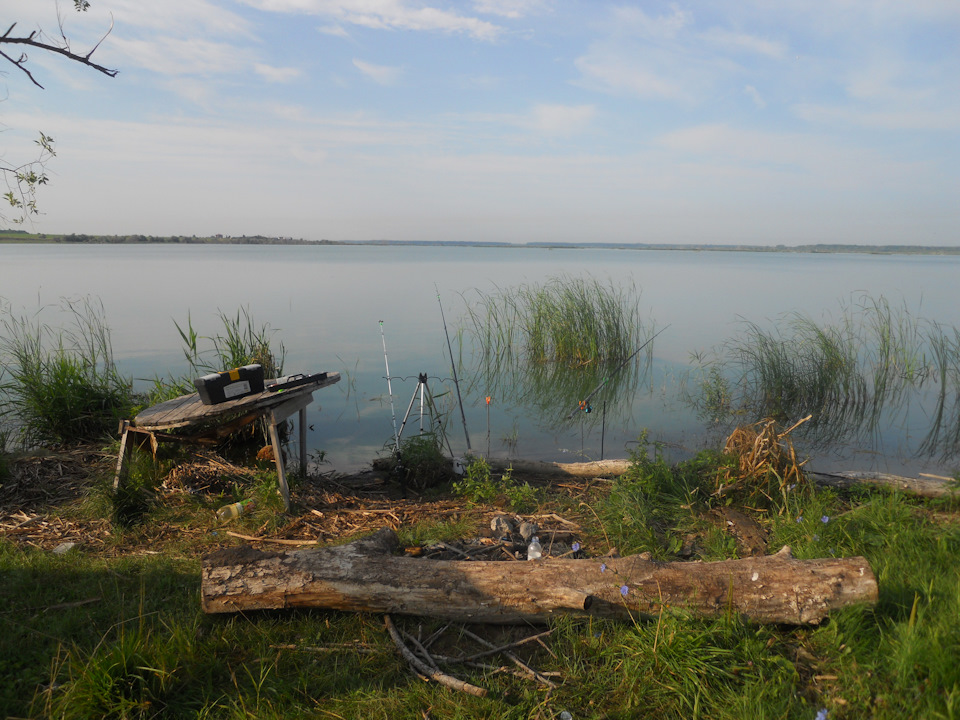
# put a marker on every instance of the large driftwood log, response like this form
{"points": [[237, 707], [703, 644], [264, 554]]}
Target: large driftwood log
{"points": [[365, 576], [929, 486]]}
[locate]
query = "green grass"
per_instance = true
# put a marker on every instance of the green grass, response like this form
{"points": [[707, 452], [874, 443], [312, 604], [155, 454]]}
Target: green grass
{"points": [[88, 635], [480, 486], [240, 341], [60, 384]]}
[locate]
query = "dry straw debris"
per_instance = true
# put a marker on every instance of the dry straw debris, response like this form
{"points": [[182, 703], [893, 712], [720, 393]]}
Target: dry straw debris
{"points": [[763, 462]]}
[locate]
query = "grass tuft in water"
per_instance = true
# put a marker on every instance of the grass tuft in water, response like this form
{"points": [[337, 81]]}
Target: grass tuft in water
{"points": [[60, 384], [240, 342], [852, 374], [548, 346]]}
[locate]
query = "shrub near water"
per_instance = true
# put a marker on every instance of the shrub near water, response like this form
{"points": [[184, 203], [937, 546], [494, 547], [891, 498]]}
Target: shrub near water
{"points": [[61, 383]]}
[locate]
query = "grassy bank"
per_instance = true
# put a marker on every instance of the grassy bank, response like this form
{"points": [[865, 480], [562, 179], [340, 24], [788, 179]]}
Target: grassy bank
{"points": [[113, 627]]}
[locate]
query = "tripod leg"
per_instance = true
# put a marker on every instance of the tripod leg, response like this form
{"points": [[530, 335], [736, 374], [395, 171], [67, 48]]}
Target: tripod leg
{"points": [[407, 415]]}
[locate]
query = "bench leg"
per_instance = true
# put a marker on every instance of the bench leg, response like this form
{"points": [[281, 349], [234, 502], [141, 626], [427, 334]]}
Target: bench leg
{"points": [[278, 459], [124, 451]]}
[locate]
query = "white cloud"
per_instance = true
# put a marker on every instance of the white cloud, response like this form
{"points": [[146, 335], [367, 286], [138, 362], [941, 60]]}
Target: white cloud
{"points": [[381, 74], [184, 17], [385, 15], [755, 95], [560, 120], [174, 56], [620, 73], [277, 74], [898, 118], [634, 21], [510, 8], [743, 43], [333, 31]]}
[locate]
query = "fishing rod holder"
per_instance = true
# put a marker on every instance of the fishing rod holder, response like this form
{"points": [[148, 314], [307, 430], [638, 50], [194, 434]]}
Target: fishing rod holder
{"points": [[426, 400]]}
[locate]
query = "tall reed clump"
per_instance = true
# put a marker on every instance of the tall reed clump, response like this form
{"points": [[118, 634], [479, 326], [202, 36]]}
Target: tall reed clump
{"points": [[850, 373], [801, 367], [241, 342], [573, 321], [550, 345], [60, 385]]}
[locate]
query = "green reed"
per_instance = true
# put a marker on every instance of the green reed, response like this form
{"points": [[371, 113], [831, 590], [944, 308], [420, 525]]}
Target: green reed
{"points": [[573, 321], [60, 384], [241, 341], [869, 362], [548, 346]]}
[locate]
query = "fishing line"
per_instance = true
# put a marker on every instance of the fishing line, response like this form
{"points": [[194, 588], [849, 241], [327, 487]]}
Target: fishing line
{"points": [[585, 403], [453, 367], [393, 412]]}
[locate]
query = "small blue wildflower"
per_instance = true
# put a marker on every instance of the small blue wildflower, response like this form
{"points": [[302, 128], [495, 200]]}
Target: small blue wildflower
{"points": [[792, 487], [603, 566], [800, 518], [624, 590], [816, 537], [825, 519], [821, 714], [575, 547]]}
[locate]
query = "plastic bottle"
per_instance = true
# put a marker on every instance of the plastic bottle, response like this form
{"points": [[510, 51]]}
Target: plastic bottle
{"points": [[534, 550], [229, 512]]}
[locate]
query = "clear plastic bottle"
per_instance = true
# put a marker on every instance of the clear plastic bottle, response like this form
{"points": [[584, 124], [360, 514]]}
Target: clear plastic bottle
{"points": [[534, 549], [233, 510]]}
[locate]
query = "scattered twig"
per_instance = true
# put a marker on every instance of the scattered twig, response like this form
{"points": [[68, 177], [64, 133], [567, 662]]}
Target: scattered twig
{"points": [[516, 661], [332, 647], [423, 669], [280, 541], [494, 651]]}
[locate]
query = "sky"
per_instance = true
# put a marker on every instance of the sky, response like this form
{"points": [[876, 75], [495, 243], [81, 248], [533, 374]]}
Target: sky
{"points": [[751, 122]]}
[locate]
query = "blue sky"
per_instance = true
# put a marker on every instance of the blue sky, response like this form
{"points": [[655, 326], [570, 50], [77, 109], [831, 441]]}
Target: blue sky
{"points": [[756, 121]]}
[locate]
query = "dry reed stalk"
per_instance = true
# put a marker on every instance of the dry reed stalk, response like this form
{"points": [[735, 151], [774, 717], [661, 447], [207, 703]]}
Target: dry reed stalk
{"points": [[761, 453]]}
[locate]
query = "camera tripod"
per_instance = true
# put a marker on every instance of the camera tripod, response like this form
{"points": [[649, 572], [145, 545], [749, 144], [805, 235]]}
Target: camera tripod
{"points": [[426, 404]]}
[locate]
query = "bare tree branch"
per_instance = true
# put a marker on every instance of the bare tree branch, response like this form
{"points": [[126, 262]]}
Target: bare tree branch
{"points": [[32, 40], [24, 179]]}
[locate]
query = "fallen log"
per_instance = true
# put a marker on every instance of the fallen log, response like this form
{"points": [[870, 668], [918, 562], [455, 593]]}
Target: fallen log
{"points": [[365, 576], [929, 486]]}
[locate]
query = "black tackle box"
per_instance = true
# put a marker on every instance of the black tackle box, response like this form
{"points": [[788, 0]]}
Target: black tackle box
{"points": [[230, 384]]}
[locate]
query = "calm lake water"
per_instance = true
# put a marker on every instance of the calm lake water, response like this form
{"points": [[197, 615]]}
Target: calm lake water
{"points": [[326, 303]]}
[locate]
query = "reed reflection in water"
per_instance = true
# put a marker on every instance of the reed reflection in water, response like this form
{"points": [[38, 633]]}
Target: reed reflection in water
{"points": [[875, 366]]}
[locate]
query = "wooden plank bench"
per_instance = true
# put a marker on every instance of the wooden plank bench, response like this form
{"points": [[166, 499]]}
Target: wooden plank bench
{"points": [[188, 413]]}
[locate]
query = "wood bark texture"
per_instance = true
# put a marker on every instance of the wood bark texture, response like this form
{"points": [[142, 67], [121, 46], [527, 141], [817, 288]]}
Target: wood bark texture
{"points": [[366, 576]]}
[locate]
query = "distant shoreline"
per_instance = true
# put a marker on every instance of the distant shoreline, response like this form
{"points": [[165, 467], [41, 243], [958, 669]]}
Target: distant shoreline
{"points": [[22, 237]]}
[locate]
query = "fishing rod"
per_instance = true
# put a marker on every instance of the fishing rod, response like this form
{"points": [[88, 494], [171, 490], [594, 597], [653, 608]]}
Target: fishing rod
{"points": [[393, 412], [453, 366], [585, 403]]}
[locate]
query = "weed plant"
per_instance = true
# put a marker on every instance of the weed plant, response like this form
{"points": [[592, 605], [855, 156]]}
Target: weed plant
{"points": [[420, 462], [481, 487], [240, 342], [61, 385], [574, 321]]}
